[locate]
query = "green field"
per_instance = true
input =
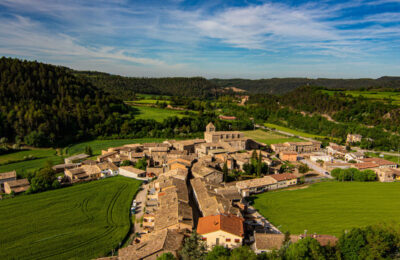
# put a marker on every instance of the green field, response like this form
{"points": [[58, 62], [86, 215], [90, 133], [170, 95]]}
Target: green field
{"points": [[269, 137], [85, 221], [295, 132], [373, 95], [41, 155], [158, 114], [331, 207]]}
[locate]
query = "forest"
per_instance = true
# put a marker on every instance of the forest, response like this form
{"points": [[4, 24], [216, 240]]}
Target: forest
{"points": [[44, 105], [126, 88]]}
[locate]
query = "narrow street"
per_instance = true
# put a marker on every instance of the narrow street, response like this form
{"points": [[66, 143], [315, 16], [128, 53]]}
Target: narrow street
{"points": [[141, 204]]}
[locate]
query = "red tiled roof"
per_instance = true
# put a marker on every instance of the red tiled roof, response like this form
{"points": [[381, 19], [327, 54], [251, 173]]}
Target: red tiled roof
{"points": [[366, 165], [378, 161], [283, 176], [228, 223]]}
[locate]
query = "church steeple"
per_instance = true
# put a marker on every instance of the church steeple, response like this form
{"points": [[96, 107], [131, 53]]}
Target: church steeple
{"points": [[210, 127]]}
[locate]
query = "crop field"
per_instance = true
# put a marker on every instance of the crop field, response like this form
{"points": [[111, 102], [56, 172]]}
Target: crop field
{"points": [[158, 114], [331, 207], [373, 95], [98, 145], [269, 137], [15, 161], [84, 221], [292, 131]]}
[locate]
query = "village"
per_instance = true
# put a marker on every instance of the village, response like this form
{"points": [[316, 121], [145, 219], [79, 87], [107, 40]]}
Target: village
{"points": [[185, 187]]}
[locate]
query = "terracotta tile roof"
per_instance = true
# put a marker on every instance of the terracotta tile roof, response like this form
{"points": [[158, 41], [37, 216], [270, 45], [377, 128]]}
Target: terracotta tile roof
{"points": [[379, 161], [283, 176], [227, 223], [366, 165]]}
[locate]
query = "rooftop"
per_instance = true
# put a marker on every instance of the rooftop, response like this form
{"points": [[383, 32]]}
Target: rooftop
{"points": [[8, 175], [228, 223]]}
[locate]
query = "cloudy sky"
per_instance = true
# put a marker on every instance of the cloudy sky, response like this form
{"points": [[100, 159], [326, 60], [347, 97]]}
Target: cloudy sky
{"points": [[226, 39]]}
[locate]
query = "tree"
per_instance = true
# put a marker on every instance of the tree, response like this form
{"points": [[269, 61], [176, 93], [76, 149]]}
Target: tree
{"points": [[243, 252], [218, 253], [303, 168], [194, 248], [88, 150], [126, 163], [141, 164], [166, 256], [225, 172], [44, 179], [259, 165], [306, 248]]}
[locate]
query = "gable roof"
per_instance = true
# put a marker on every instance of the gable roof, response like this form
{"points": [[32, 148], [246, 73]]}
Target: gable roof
{"points": [[8, 175], [228, 223], [283, 176]]}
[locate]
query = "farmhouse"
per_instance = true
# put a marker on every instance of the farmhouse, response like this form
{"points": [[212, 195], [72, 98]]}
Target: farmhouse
{"points": [[300, 147], [16, 186], [7, 176], [388, 174], [131, 172], [224, 230], [354, 157], [284, 179], [258, 185], [288, 156], [353, 138], [153, 245]]}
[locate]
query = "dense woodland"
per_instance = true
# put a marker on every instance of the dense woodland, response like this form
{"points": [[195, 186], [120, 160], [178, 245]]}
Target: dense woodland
{"points": [[126, 88], [284, 85], [45, 105]]}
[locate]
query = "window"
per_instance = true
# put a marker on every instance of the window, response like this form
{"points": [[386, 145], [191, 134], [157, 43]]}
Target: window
{"points": [[237, 240], [228, 240]]}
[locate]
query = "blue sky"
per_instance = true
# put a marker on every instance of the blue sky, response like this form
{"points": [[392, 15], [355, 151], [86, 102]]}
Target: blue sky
{"points": [[225, 39]]}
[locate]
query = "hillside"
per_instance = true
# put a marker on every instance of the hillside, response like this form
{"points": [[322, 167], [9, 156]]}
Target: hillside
{"points": [[126, 87], [284, 85], [46, 105]]}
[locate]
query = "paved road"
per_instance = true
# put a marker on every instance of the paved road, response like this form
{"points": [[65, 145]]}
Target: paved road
{"points": [[267, 225], [316, 168]]}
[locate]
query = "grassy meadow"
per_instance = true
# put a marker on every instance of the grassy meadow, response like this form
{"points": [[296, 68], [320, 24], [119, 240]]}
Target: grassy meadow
{"points": [[84, 221], [292, 131], [371, 94], [158, 114], [269, 137], [331, 207]]}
